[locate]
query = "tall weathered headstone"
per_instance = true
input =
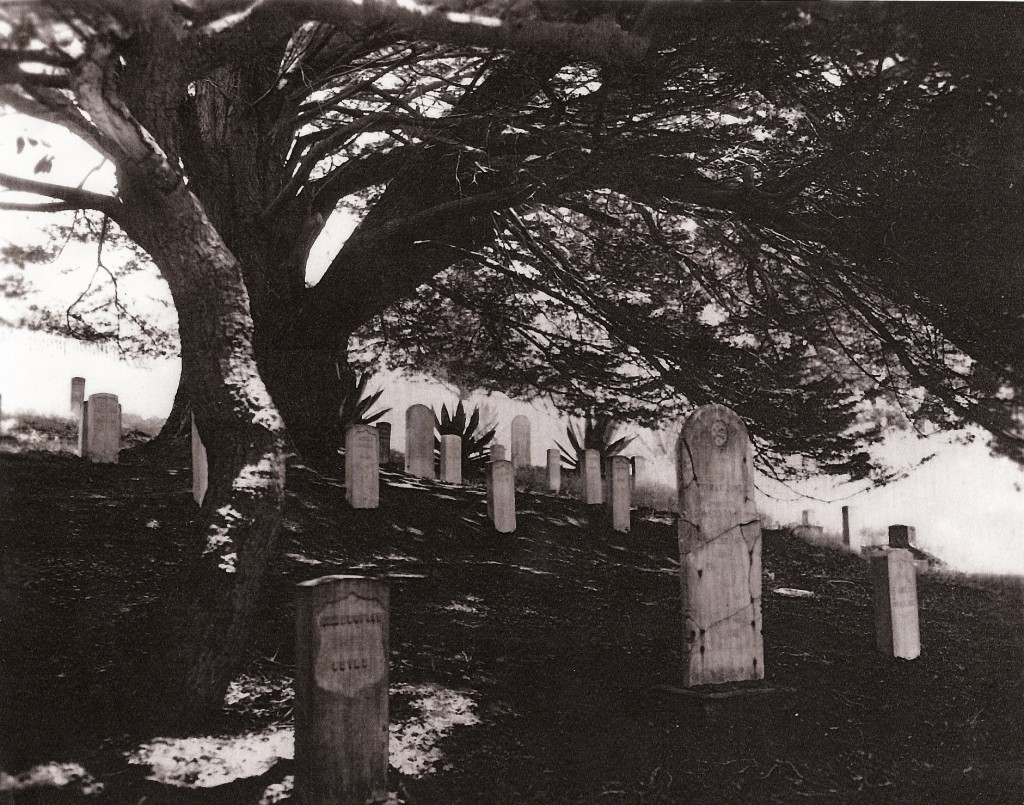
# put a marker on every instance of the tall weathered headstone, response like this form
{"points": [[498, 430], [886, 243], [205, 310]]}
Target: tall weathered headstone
{"points": [[554, 470], [719, 550], [902, 536], [384, 438], [200, 467], [451, 459], [805, 517], [77, 395], [846, 526], [590, 470], [419, 441], [497, 452], [520, 441], [102, 429], [894, 585], [83, 429], [341, 690], [501, 496], [620, 493], [362, 466]]}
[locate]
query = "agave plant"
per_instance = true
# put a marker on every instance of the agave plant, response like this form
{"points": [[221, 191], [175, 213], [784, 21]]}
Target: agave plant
{"points": [[356, 404], [476, 438], [594, 433]]}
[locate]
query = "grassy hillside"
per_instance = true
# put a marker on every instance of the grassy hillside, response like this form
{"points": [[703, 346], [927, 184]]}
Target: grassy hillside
{"points": [[542, 652]]}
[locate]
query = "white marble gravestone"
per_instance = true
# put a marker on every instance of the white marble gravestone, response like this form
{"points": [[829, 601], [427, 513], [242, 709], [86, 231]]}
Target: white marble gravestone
{"points": [[590, 472], [619, 493], [102, 429], [894, 585], [719, 550], [451, 459], [362, 466], [501, 496], [497, 452], [520, 442], [200, 467], [419, 441], [554, 470]]}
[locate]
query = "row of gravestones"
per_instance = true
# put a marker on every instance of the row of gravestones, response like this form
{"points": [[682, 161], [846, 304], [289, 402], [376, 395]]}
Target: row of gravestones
{"points": [[341, 721]]}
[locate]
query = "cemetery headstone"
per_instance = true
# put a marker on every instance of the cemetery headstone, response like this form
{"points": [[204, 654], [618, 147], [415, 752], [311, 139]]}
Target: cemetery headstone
{"points": [[200, 467], [77, 395], [384, 438], [805, 517], [419, 441], [83, 429], [894, 586], [497, 452], [554, 470], [451, 459], [341, 690], [501, 496], [846, 526], [520, 442], [902, 536], [620, 493], [719, 550], [362, 466], [590, 467], [102, 429]]}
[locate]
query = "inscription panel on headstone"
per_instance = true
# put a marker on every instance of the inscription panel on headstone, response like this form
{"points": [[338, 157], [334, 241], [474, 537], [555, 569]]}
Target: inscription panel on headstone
{"points": [[894, 580], [719, 549], [348, 659]]}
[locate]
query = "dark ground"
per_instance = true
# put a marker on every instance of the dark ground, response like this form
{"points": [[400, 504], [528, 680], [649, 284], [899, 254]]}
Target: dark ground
{"points": [[576, 627]]}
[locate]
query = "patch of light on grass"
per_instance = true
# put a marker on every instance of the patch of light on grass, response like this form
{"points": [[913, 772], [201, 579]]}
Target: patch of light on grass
{"points": [[51, 775], [413, 746], [298, 557], [206, 761], [278, 792]]}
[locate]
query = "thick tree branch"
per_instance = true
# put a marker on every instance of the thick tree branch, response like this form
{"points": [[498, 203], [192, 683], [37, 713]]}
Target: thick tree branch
{"points": [[72, 197]]}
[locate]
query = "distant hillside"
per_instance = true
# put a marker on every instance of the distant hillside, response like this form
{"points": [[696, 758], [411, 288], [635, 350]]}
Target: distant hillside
{"points": [[537, 654]]}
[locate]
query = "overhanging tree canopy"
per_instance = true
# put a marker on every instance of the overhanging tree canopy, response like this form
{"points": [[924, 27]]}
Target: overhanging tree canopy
{"points": [[776, 206]]}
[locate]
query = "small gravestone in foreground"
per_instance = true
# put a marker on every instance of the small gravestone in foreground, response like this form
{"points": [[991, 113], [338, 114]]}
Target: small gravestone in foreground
{"points": [[719, 550], [501, 496], [590, 469], [419, 441], [362, 467], [384, 439], [894, 587], [341, 690], [77, 395], [100, 432], [554, 469], [451, 459], [520, 442], [200, 467], [620, 497]]}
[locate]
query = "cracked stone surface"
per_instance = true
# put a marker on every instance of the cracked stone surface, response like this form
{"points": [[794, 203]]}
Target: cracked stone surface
{"points": [[719, 550]]}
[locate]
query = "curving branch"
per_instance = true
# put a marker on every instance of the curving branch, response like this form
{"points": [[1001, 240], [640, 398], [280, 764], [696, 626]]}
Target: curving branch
{"points": [[70, 198]]}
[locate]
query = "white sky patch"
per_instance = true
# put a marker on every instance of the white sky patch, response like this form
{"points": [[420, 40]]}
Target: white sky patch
{"points": [[413, 745], [206, 761], [51, 775]]}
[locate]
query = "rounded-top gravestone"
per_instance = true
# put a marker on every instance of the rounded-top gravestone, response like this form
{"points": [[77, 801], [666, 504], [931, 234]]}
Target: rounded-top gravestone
{"points": [[719, 550]]}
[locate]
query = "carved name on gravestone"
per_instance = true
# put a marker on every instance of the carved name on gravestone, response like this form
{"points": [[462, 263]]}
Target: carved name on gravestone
{"points": [[384, 437], [520, 442], [554, 469], [102, 431], [77, 395], [362, 466], [719, 550], [451, 459], [501, 496], [419, 441], [200, 467], [341, 690], [894, 587], [590, 468], [620, 493]]}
